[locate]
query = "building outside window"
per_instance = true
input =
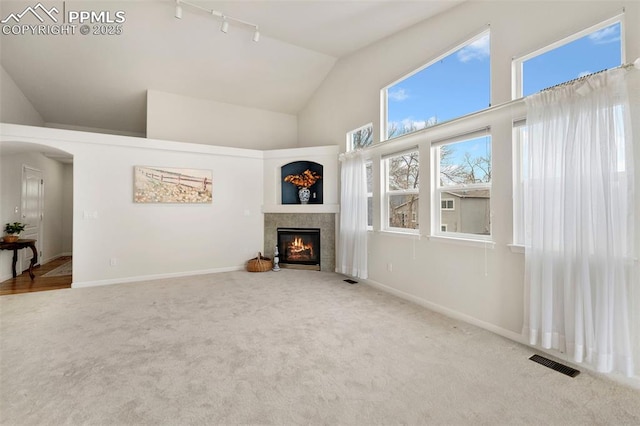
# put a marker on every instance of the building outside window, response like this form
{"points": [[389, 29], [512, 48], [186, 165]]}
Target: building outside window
{"points": [[462, 197]]}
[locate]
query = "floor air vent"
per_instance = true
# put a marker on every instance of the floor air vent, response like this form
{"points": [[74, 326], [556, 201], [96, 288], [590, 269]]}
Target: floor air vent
{"points": [[571, 372], [351, 281]]}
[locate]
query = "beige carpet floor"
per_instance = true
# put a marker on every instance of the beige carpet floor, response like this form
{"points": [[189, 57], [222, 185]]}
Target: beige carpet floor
{"points": [[294, 347]]}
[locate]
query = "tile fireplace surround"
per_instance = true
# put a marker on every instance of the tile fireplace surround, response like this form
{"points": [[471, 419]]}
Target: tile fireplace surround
{"points": [[325, 221]]}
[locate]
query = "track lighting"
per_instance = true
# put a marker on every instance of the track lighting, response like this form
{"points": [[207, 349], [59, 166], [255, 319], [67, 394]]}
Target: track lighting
{"points": [[226, 19]]}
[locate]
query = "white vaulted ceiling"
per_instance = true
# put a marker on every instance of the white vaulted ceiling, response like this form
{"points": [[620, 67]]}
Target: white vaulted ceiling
{"points": [[100, 81]]}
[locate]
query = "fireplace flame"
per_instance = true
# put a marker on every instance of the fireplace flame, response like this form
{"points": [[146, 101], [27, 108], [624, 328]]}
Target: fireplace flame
{"points": [[299, 250]]}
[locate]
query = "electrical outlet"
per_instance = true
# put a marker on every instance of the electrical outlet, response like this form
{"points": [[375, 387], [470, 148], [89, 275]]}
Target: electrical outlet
{"points": [[113, 261], [390, 267]]}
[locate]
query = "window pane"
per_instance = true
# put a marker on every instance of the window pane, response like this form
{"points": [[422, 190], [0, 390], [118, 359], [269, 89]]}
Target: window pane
{"points": [[370, 211], [361, 138], [471, 215], [404, 172], [447, 204], [594, 52], [403, 211], [454, 86], [466, 162]]}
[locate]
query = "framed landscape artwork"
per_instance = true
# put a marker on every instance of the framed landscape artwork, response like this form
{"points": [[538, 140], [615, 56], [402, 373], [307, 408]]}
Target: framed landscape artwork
{"points": [[170, 185]]}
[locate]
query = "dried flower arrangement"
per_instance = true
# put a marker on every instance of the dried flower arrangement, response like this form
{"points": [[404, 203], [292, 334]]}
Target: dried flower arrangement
{"points": [[305, 179]]}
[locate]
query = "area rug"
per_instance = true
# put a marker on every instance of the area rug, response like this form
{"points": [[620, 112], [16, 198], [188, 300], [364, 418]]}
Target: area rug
{"points": [[64, 269]]}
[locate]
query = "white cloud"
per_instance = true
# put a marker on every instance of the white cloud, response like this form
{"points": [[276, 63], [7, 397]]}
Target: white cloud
{"points": [[398, 95], [584, 73], [605, 35], [479, 49]]}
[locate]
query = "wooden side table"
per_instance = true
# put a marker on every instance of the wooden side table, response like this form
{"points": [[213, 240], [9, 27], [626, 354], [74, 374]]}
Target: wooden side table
{"points": [[18, 245]]}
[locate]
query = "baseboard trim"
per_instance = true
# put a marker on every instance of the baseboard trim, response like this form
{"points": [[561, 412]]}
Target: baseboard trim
{"points": [[85, 284], [448, 312]]}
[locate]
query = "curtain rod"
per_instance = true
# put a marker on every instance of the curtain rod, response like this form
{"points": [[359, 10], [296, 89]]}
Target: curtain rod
{"points": [[634, 64]]}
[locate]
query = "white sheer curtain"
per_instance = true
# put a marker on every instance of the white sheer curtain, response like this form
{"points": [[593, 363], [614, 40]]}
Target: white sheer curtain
{"points": [[352, 243], [579, 217]]}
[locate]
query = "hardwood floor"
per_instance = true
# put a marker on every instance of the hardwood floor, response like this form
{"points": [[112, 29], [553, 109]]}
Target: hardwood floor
{"points": [[23, 283]]}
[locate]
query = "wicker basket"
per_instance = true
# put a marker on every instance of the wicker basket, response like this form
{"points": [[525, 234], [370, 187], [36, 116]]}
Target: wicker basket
{"points": [[259, 264]]}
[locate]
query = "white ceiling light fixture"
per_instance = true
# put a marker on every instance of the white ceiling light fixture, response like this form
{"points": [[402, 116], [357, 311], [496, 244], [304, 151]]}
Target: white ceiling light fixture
{"points": [[226, 19]]}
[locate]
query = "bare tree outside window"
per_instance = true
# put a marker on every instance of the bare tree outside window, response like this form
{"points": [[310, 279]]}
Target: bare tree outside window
{"points": [[361, 137], [403, 178]]}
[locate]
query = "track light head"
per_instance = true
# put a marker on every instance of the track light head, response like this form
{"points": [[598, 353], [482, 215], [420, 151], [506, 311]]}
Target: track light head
{"points": [[226, 19]]}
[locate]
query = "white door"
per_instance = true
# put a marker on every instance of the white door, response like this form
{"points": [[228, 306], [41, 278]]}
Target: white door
{"points": [[32, 212]]}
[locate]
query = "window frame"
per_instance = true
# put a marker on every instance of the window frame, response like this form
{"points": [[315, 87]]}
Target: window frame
{"points": [[384, 98], [387, 193], [517, 64], [350, 134], [438, 190]]}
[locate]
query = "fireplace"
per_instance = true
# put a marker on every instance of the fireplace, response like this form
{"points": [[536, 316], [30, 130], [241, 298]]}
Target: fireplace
{"points": [[299, 248]]}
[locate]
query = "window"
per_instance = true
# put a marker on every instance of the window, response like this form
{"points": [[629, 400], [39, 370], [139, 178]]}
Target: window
{"points": [[401, 191], [453, 85], [595, 49], [361, 137], [463, 186], [447, 204], [369, 169]]}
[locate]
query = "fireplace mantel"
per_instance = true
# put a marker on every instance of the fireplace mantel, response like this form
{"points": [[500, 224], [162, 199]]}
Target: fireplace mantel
{"points": [[301, 208]]}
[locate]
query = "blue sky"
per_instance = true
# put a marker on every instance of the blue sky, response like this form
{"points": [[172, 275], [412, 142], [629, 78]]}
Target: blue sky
{"points": [[459, 83]]}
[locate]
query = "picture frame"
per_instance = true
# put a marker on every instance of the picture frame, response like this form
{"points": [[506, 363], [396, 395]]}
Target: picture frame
{"points": [[172, 185]]}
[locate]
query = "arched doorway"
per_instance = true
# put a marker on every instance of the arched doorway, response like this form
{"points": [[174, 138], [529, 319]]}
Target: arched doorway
{"points": [[37, 189]]}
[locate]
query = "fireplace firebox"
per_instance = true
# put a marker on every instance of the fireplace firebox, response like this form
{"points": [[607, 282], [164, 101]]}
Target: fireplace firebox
{"points": [[299, 248]]}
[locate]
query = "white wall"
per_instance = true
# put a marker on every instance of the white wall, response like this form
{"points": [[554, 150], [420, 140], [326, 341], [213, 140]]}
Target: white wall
{"points": [[482, 285], [149, 240], [14, 106], [181, 118], [350, 95], [67, 209], [53, 233]]}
